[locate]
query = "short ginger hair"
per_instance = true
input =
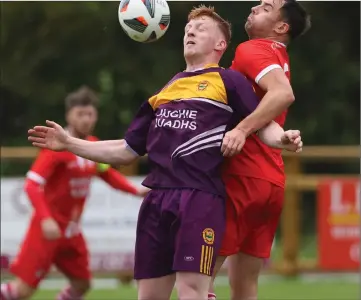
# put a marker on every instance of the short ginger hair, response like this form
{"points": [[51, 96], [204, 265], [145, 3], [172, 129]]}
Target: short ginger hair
{"points": [[208, 11]]}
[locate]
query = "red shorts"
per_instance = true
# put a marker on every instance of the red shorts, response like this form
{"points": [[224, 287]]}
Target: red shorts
{"points": [[253, 210], [37, 255]]}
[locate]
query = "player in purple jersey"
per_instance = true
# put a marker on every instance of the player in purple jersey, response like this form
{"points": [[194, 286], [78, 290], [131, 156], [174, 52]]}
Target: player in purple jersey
{"points": [[181, 221]]}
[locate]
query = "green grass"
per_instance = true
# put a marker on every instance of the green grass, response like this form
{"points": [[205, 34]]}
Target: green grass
{"points": [[280, 290]]}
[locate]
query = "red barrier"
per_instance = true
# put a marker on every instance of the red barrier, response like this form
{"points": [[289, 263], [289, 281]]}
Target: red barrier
{"points": [[338, 222]]}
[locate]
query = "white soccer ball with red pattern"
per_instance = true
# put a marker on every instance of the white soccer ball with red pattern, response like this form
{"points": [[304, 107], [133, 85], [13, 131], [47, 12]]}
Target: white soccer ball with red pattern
{"points": [[144, 20]]}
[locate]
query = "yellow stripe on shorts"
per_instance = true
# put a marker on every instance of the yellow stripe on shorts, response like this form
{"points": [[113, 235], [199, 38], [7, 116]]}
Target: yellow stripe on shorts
{"points": [[206, 260]]}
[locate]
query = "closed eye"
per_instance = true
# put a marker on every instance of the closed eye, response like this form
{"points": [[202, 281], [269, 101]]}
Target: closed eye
{"points": [[267, 7]]}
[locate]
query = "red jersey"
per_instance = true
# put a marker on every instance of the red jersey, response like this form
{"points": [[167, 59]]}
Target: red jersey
{"points": [[63, 183], [65, 179], [254, 59]]}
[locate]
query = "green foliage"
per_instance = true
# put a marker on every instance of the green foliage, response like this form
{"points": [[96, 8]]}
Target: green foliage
{"points": [[50, 48]]}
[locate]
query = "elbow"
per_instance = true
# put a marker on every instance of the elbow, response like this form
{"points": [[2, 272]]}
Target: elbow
{"points": [[120, 161], [123, 155], [283, 95], [117, 161], [288, 96]]}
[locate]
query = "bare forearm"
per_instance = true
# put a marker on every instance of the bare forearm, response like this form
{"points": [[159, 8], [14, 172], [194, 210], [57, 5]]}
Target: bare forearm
{"points": [[271, 106], [110, 152], [271, 135]]}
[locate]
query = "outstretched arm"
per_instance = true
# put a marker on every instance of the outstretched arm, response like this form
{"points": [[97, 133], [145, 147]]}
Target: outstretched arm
{"points": [[116, 152], [110, 152], [54, 137]]}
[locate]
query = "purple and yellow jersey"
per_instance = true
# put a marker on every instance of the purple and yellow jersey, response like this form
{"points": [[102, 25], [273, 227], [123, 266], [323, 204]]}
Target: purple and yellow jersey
{"points": [[182, 127]]}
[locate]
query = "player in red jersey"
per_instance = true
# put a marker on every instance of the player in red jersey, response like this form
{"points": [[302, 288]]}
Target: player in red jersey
{"points": [[255, 178], [57, 186]]}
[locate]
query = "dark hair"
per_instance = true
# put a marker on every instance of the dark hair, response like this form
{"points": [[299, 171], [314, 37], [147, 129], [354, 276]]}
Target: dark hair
{"points": [[83, 96], [296, 17]]}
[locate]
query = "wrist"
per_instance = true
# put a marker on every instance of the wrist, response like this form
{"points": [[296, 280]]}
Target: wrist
{"points": [[69, 141], [249, 125], [278, 144], [244, 128], [136, 191]]}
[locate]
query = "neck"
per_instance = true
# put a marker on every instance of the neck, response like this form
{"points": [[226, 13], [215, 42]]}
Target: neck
{"points": [[194, 64]]}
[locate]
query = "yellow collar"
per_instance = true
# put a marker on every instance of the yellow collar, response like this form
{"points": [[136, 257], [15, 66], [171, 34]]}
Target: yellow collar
{"points": [[211, 66], [207, 66]]}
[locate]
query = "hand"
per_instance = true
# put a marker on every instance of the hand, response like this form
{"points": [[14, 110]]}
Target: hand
{"points": [[143, 191], [292, 141], [233, 142], [52, 137], [51, 229]]}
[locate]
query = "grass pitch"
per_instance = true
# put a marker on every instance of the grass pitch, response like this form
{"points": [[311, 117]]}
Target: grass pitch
{"points": [[278, 290]]}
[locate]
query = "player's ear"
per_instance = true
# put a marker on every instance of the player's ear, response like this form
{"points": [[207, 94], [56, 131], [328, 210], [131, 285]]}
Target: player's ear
{"points": [[221, 45], [282, 28]]}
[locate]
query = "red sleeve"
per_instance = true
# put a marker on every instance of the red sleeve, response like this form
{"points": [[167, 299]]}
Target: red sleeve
{"points": [[255, 60], [36, 178], [118, 181]]}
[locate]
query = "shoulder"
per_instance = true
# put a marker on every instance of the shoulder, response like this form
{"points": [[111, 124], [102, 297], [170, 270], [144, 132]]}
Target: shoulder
{"points": [[236, 82], [172, 80], [254, 47], [234, 76], [153, 98]]}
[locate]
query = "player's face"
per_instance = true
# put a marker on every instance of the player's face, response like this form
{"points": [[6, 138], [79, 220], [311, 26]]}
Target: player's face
{"points": [[82, 119], [265, 19], [202, 37]]}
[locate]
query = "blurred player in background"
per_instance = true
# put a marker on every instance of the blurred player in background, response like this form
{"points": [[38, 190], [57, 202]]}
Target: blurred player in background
{"points": [[57, 185], [255, 178], [181, 221]]}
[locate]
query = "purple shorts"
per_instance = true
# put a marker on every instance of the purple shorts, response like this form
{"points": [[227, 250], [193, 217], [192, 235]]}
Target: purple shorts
{"points": [[178, 230]]}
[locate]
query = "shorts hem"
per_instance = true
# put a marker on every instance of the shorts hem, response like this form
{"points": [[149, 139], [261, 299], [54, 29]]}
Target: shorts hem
{"points": [[140, 277], [85, 277], [193, 271], [30, 283], [228, 253], [255, 254]]}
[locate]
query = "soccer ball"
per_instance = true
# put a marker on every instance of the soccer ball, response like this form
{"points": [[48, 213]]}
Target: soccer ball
{"points": [[144, 20]]}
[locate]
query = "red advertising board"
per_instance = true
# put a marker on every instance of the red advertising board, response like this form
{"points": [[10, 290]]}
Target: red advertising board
{"points": [[338, 222]]}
